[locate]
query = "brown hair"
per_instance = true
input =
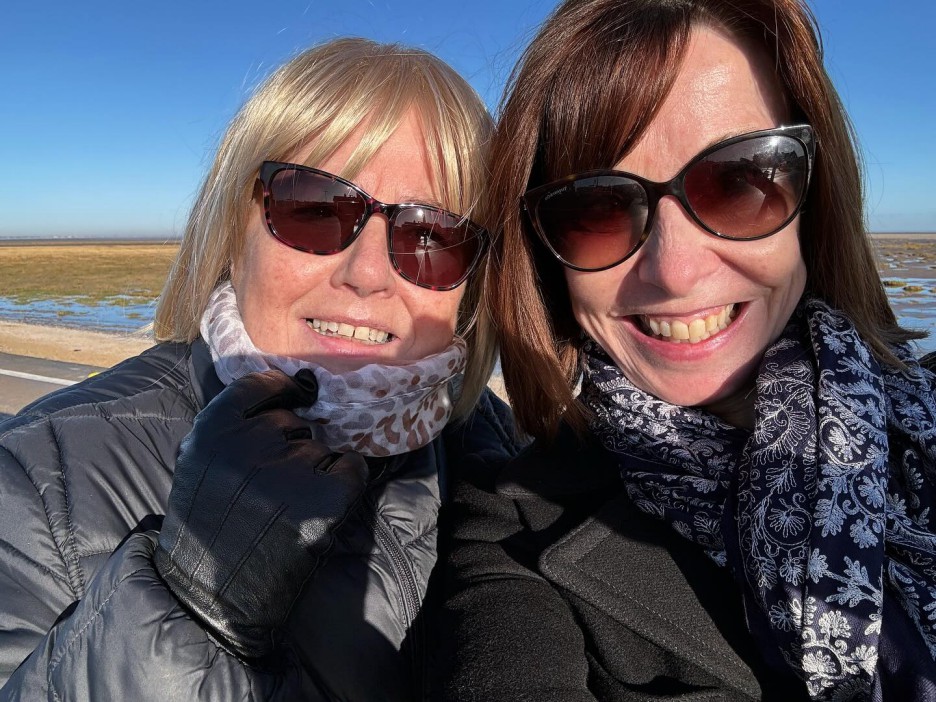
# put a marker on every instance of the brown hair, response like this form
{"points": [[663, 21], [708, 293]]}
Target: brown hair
{"points": [[583, 93], [324, 94]]}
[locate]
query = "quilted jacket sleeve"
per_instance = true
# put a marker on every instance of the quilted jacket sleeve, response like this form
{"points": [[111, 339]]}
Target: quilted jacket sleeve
{"points": [[35, 581], [128, 638], [83, 613], [123, 635]]}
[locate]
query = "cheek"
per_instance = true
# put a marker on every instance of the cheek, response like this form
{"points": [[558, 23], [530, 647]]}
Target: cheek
{"points": [[785, 270], [434, 318], [592, 294], [792, 287], [268, 278], [253, 301]]}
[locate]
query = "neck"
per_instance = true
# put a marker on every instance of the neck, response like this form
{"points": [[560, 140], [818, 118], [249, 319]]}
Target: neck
{"points": [[736, 409]]}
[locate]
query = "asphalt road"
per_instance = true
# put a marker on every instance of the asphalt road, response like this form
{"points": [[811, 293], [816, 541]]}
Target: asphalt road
{"points": [[24, 379]]}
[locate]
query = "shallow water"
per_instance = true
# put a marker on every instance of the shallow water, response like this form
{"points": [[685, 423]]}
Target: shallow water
{"points": [[913, 299], [113, 314]]}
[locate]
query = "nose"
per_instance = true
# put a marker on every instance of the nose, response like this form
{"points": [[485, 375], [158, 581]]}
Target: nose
{"points": [[365, 265], [678, 255]]}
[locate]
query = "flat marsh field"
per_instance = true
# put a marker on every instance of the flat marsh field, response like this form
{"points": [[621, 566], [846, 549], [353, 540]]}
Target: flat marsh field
{"points": [[94, 272], [104, 271]]}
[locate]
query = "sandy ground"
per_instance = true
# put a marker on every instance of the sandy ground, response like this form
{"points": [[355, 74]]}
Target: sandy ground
{"points": [[72, 345]]}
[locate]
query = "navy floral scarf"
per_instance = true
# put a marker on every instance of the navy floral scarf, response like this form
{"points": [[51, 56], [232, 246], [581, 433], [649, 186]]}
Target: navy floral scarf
{"points": [[822, 513]]}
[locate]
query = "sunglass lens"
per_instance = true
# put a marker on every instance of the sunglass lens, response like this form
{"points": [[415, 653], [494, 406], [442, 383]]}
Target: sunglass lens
{"points": [[593, 222], [433, 249], [313, 212], [751, 188]]}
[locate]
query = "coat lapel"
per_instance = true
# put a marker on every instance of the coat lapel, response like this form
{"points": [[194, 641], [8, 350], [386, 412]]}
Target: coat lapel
{"points": [[620, 563]]}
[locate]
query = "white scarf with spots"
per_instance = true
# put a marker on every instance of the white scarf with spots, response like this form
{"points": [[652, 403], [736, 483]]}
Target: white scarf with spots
{"points": [[377, 410]]}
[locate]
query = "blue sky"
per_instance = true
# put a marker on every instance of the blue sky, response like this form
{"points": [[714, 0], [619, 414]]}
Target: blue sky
{"points": [[110, 111]]}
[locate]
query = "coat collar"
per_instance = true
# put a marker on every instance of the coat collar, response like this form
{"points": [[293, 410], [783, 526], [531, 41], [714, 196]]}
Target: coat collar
{"points": [[205, 381], [622, 563]]}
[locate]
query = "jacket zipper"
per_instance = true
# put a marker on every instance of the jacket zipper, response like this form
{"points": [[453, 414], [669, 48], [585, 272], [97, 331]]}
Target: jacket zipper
{"points": [[405, 578], [408, 592]]}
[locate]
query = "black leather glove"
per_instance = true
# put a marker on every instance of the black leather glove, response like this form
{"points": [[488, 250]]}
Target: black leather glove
{"points": [[253, 508]]}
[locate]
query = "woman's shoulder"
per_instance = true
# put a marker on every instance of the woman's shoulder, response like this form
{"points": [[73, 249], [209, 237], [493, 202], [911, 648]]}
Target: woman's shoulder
{"points": [[103, 452], [929, 362], [122, 426], [565, 467], [545, 485], [489, 430]]}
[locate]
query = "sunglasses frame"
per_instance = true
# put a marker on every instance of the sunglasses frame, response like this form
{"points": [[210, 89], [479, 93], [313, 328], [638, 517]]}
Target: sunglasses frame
{"points": [[655, 191], [372, 205]]}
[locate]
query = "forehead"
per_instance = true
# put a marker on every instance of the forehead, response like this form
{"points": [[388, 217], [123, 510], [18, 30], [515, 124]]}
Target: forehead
{"points": [[725, 86], [719, 64], [399, 170]]}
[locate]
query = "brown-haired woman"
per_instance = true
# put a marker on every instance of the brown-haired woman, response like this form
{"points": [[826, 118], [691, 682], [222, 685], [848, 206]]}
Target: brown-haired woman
{"points": [[736, 505]]}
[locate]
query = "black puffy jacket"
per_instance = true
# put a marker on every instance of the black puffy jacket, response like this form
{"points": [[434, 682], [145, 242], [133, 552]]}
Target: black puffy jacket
{"points": [[85, 474]]}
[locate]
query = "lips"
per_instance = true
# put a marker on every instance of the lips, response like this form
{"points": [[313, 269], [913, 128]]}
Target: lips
{"points": [[361, 333], [691, 329]]}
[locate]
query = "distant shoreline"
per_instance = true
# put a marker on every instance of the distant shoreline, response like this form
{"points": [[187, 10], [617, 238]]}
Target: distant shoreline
{"points": [[176, 240], [91, 241], [903, 235]]}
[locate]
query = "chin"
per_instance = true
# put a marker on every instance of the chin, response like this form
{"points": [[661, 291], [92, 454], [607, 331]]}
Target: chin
{"points": [[700, 388]]}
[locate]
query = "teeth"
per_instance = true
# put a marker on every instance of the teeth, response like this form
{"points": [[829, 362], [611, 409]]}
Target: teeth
{"points": [[679, 330], [365, 334], [697, 331], [692, 331]]}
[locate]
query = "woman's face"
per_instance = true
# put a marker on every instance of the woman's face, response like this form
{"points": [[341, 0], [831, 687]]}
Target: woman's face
{"points": [[282, 292], [682, 273]]}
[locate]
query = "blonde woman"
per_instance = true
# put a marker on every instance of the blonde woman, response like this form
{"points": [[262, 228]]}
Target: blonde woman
{"points": [[248, 509]]}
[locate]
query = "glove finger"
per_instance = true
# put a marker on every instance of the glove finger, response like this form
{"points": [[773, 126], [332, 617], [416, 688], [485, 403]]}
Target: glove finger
{"points": [[255, 393], [349, 468], [275, 389], [302, 433]]}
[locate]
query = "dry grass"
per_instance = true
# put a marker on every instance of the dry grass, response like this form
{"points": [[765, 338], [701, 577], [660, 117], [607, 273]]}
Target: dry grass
{"points": [[93, 272]]}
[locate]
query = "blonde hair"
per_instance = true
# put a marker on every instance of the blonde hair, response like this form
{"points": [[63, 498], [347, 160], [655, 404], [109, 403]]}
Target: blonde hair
{"points": [[322, 96]]}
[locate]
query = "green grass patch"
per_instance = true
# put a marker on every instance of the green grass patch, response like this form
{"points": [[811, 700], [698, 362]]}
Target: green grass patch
{"points": [[96, 273]]}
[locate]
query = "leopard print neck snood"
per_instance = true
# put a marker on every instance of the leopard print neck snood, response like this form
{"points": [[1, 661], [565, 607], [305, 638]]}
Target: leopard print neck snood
{"points": [[377, 410]]}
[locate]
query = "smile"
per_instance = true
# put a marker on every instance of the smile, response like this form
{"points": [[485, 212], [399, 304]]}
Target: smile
{"points": [[363, 334], [688, 330]]}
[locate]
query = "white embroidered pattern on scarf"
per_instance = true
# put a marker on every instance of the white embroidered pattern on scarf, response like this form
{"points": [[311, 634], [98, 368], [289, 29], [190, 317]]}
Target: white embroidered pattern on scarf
{"points": [[378, 410], [830, 494]]}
